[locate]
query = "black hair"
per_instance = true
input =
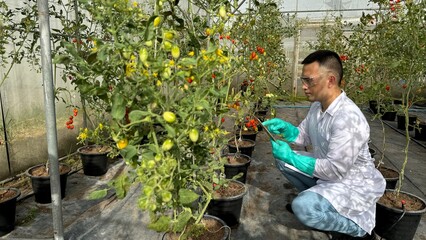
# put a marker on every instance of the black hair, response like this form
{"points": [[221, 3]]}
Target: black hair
{"points": [[327, 59]]}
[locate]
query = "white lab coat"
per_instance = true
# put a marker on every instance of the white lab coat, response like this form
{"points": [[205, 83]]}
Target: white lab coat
{"points": [[347, 176]]}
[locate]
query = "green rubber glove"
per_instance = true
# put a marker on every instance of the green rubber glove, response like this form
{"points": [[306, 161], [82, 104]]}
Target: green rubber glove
{"points": [[282, 151], [278, 126]]}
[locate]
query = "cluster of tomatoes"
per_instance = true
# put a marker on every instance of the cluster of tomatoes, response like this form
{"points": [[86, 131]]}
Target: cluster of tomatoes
{"points": [[260, 50], [221, 37], [360, 69], [254, 56], [235, 105], [393, 4], [251, 124], [344, 58], [70, 122]]}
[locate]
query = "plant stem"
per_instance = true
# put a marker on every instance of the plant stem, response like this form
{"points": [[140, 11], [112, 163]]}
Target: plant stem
{"points": [[204, 209], [383, 144]]}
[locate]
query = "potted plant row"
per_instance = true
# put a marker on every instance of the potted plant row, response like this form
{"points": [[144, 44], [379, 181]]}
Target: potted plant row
{"points": [[399, 212]]}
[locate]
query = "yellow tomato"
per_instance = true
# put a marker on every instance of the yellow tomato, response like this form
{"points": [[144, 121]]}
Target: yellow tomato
{"points": [[122, 143], [157, 21]]}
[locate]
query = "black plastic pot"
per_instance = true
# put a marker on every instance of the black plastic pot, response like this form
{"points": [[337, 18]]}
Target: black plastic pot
{"points": [[41, 184], [420, 132], [401, 121], [388, 116], [261, 112], [251, 135], [94, 164], [232, 170], [391, 181], [8, 212], [246, 150], [396, 224], [373, 106], [226, 234], [228, 209]]}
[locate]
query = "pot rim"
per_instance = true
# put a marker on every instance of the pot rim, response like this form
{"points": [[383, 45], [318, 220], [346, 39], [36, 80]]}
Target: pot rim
{"points": [[248, 140], [241, 195], [237, 165], [17, 192], [406, 212], [391, 169], [46, 177], [109, 149]]}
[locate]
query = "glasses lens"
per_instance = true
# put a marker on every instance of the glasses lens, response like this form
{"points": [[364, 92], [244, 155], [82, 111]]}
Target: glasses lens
{"points": [[306, 81]]}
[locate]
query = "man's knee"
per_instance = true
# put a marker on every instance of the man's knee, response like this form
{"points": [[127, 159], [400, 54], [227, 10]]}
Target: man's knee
{"points": [[305, 207]]}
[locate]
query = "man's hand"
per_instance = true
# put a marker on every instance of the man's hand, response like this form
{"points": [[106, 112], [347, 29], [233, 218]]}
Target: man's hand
{"points": [[282, 151], [286, 129]]}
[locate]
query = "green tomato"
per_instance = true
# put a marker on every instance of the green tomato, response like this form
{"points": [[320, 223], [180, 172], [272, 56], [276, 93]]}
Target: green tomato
{"points": [[193, 135], [169, 117], [147, 190], [167, 145], [166, 196], [151, 164], [222, 12], [158, 157], [143, 54], [127, 53], [175, 52]]}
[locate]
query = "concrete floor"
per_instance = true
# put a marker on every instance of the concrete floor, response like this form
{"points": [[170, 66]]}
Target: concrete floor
{"points": [[263, 215]]}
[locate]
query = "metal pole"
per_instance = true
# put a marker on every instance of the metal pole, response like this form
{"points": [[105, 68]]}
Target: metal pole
{"points": [[49, 100]]}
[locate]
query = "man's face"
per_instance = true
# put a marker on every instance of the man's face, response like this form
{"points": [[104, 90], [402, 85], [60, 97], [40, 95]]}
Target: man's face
{"points": [[313, 81]]}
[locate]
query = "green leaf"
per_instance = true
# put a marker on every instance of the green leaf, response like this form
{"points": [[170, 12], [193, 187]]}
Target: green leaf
{"points": [[62, 59], [182, 220], [161, 225], [149, 31], [118, 106], [98, 194], [170, 130], [121, 185], [188, 62], [137, 115], [187, 196], [129, 152]]}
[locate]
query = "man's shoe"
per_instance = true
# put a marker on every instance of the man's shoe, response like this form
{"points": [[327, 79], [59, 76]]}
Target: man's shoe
{"points": [[289, 209]]}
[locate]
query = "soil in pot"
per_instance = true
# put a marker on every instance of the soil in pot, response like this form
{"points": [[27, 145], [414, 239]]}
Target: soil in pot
{"points": [[395, 222], [236, 164], [94, 159], [391, 176], [8, 197], [227, 203], [246, 146], [215, 229], [40, 181]]}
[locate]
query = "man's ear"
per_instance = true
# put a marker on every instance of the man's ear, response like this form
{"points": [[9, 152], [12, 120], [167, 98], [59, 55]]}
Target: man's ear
{"points": [[332, 80]]}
